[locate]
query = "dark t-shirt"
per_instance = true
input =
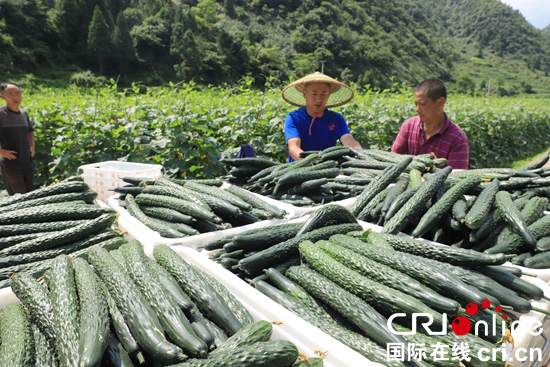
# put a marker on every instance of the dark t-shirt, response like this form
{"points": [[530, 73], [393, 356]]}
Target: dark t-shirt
{"points": [[14, 135]]}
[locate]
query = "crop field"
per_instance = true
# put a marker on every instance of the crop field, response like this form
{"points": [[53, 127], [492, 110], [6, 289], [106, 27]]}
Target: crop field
{"points": [[187, 129]]}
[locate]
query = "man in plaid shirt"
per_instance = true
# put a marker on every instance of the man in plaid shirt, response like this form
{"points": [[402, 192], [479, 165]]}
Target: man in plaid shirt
{"points": [[432, 131]]}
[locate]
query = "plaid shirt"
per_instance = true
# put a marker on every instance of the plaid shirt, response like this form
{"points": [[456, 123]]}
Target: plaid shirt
{"points": [[449, 142]]}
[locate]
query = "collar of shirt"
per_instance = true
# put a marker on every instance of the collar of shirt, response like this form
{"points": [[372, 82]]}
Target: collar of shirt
{"points": [[441, 130]]}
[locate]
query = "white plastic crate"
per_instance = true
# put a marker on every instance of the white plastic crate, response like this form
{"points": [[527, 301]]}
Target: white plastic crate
{"points": [[104, 177]]}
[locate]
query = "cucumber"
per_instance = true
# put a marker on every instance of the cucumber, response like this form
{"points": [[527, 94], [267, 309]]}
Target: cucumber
{"points": [[436, 251], [53, 212], [94, 315], [65, 308], [370, 210], [276, 278], [219, 193], [200, 327], [538, 261], [301, 188], [444, 204], [515, 244], [256, 201], [384, 299], [258, 331], [397, 189], [353, 308], [64, 237], [514, 218], [378, 184], [272, 353], [286, 250], [538, 163], [459, 209], [168, 188], [482, 206], [249, 161], [121, 330], [200, 291], [416, 204], [88, 196], [167, 214], [399, 201], [543, 244], [58, 188], [115, 355], [330, 214], [43, 351], [135, 211], [242, 314], [414, 266], [15, 332], [355, 341], [182, 206], [8, 230], [219, 335], [141, 320], [171, 317], [511, 281], [51, 253], [171, 286], [392, 278]]}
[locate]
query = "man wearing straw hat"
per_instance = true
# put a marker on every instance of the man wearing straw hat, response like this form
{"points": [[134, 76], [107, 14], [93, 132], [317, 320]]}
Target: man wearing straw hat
{"points": [[313, 126]]}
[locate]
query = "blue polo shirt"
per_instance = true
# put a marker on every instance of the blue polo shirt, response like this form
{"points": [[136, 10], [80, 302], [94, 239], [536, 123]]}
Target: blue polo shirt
{"points": [[325, 131]]}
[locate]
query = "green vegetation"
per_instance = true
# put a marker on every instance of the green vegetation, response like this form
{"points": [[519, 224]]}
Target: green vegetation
{"points": [[370, 43], [188, 129]]}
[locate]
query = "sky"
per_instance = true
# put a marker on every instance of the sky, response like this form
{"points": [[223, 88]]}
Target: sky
{"points": [[537, 12]]}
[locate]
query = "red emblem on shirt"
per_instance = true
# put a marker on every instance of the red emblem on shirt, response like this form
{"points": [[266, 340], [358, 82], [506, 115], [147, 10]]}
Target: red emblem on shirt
{"points": [[331, 127]]}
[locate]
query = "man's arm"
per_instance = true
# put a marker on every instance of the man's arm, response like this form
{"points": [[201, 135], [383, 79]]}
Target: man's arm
{"points": [[294, 148], [31, 143], [349, 141], [400, 143]]}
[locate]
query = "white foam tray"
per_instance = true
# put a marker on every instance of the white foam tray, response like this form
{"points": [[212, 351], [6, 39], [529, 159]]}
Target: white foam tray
{"points": [[194, 242]]}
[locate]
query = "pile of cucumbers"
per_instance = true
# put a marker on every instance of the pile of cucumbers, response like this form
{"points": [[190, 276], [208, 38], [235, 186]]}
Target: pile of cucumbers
{"points": [[62, 218], [491, 210], [122, 308], [336, 173], [179, 208]]}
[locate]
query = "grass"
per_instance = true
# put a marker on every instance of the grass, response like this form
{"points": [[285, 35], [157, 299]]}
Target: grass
{"points": [[523, 162]]}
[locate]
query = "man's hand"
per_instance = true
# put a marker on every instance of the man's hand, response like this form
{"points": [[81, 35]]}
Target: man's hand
{"points": [[8, 154]]}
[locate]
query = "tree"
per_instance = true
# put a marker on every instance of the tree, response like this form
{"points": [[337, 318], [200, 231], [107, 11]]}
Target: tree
{"points": [[184, 47], [68, 24], [124, 44], [465, 84], [99, 37], [229, 7]]}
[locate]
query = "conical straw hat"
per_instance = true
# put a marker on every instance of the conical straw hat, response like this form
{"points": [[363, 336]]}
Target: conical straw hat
{"points": [[340, 93]]}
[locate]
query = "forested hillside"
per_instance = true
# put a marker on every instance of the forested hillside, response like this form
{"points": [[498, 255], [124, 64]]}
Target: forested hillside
{"points": [[369, 42]]}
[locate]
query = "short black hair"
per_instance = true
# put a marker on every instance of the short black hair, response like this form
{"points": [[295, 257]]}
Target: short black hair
{"points": [[5, 85], [434, 88]]}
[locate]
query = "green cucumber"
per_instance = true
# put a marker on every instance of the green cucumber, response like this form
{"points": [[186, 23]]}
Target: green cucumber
{"points": [[538, 261], [64, 237], [115, 355], [355, 341], [514, 218], [436, 251], [182, 206], [416, 204], [43, 351], [258, 331], [16, 335], [353, 308], [242, 314], [94, 315], [200, 291], [445, 284], [88, 196], [167, 214], [287, 250], [171, 317], [134, 210], [397, 189], [65, 308], [58, 188], [53, 212], [141, 320], [330, 214], [256, 201], [384, 299], [171, 286], [482, 206], [511, 281], [378, 184], [219, 193], [444, 204], [390, 277]]}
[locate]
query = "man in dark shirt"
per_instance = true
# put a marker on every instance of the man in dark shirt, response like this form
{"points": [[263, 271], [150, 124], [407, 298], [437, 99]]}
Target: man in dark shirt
{"points": [[16, 142]]}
